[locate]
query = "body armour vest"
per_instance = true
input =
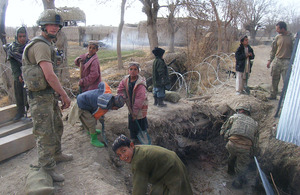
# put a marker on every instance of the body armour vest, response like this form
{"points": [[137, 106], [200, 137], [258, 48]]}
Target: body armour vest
{"points": [[32, 73], [244, 126]]}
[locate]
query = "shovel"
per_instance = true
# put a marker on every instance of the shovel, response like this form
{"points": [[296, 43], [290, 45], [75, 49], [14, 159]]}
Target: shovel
{"points": [[143, 136], [103, 132]]}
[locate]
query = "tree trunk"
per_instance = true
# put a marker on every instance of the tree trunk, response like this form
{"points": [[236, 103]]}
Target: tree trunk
{"points": [[49, 4], [219, 24], [119, 36], [151, 9], [5, 70], [63, 69], [253, 36], [81, 32], [171, 27]]}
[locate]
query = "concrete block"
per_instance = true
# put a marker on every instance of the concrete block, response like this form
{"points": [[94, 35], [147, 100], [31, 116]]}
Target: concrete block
{"points": [[11, 128], [16, 143]]}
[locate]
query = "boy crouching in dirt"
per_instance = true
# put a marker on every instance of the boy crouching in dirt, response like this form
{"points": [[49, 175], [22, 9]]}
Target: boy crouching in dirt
{"points": [[93, 105], [153, 164]]}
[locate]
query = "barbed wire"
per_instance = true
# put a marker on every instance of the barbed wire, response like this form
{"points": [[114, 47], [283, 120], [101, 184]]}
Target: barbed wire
{"points": [[216, 68]]}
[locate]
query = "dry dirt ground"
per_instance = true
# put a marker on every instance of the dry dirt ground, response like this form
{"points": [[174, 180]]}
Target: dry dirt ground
{"points": [[98, 171]]}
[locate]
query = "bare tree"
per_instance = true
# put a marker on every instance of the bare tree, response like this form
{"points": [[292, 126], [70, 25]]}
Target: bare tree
{"points": [[119, 36], [5, 71], [220, 13], [150, 8], [173, 7], [253, 12]]}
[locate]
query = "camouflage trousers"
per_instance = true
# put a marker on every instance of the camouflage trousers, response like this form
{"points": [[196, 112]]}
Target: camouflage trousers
{"points": [[88, 121], [239, 158], [279, 68], [47, 127]]}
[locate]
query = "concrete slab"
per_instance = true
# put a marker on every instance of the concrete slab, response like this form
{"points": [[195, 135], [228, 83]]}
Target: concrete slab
{"points": [[7, 113], [16, 143]]}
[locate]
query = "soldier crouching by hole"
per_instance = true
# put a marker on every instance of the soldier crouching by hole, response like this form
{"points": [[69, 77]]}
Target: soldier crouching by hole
{"points": [[153, 164], [241, 132]]}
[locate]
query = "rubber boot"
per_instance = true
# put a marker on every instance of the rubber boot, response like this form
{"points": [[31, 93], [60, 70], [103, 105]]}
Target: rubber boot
{"points": [[55, 176], [63, 157], [161, 102], [155, 101], [98, 131], [95, 141]]}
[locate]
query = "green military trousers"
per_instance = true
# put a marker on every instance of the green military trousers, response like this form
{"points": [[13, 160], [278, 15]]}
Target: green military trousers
{"points": [[279, 68], [239, 158], [47, 127]]}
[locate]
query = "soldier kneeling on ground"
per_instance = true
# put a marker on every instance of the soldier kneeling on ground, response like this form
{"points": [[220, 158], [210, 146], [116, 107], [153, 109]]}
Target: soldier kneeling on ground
{"points": [[241, 133]]}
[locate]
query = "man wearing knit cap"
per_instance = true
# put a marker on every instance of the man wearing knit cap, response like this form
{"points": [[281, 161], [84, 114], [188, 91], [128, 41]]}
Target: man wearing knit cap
{"points": [[160, 77]]}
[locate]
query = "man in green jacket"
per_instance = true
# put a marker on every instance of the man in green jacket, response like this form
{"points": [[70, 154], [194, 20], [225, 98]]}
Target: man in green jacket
{"points": [[153, 164]]}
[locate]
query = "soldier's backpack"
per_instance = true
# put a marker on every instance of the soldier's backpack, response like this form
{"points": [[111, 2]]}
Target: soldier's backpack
{"points": [[32, 73]]}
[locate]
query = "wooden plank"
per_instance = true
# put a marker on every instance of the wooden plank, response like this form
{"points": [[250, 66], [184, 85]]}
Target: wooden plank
{"points": [[14, 127], [16, 143], [7, 113]]}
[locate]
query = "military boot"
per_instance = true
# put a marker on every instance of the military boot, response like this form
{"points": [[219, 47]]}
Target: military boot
{"points": [[63, 157], [161, 102], [155, 101], [55, 176], [239, 181], [95, 141]]}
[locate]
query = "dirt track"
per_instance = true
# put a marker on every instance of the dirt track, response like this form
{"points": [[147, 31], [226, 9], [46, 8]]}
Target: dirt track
{"points": [[98, 171]]}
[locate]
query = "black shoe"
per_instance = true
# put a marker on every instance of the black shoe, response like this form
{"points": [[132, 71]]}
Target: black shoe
{"points": [[271, 98], [161, 102], [18, 116], [155, 101]]}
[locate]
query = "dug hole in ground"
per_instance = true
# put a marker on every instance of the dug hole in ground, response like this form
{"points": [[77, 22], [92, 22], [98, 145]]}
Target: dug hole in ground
{"points": [[190, 128]]}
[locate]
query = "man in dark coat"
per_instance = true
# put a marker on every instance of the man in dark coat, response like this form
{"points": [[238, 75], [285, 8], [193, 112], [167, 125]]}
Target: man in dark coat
{"points": [[15, 51], [160, 77], [243, 56]]}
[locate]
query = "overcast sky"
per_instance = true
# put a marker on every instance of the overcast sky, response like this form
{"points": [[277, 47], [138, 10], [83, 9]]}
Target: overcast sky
{"points": [[27, 11]]}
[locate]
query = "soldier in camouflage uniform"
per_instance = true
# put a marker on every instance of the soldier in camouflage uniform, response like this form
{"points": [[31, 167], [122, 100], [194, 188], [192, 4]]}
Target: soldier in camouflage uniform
{"points": [[39, 64], [281, 52], [241, 132]]}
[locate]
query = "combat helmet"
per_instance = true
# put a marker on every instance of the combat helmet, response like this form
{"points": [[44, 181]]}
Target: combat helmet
{"points": [[50, 16], [246, 107]]}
